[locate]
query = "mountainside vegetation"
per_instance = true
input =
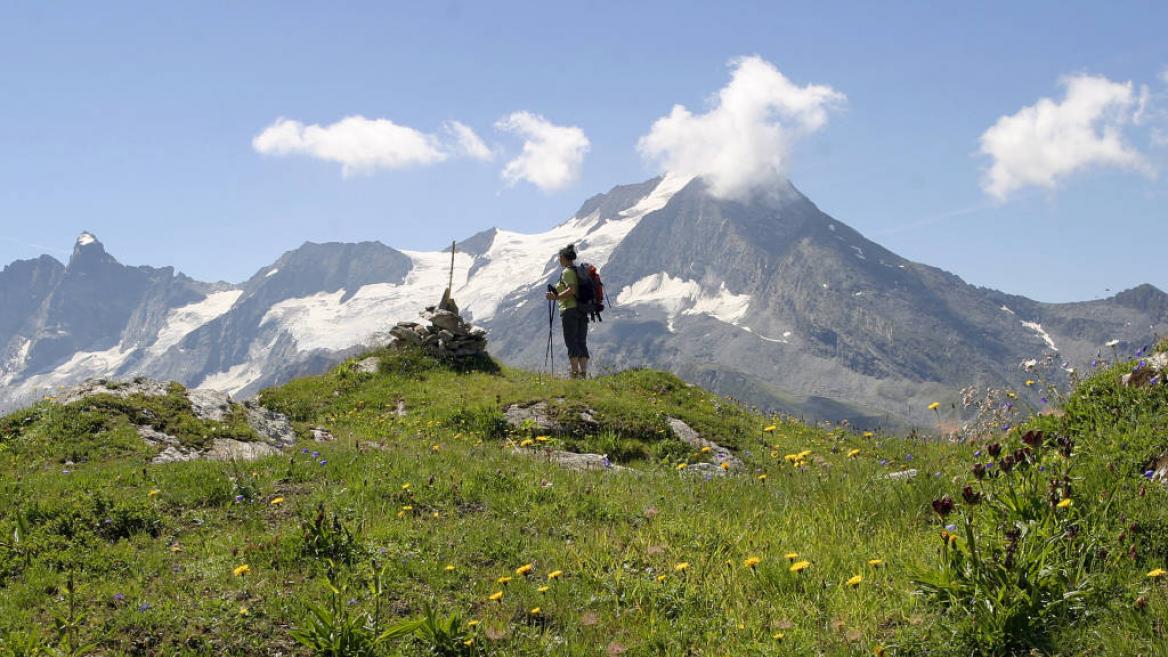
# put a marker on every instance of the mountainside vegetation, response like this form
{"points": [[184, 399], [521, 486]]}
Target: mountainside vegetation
{"points": [[436, 524]]}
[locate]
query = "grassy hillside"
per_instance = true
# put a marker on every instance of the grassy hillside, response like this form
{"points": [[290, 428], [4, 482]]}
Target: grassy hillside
{"points": [[398, 536]]}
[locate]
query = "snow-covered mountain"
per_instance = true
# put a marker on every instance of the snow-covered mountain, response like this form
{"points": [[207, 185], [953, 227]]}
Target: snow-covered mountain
{"points": [[771, 301]]}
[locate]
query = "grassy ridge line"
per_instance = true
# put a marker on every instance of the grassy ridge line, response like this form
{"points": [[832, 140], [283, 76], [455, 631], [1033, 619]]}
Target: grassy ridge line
{"points": [[153, 548]]}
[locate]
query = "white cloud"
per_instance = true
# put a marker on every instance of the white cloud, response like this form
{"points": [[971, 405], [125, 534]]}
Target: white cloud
{"points": [[1044, 142], [362, 145], [469, 143], [359, 144], [742, 144], [552, 154], [1164, 75]]}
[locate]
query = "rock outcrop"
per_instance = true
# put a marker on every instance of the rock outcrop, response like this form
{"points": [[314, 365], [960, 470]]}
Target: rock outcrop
{"points": [[720, 454], [273, 429], [538, 417], [572, 460]]}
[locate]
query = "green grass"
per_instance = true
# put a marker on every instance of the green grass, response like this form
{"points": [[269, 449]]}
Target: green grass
{"points": [[153, 573]]}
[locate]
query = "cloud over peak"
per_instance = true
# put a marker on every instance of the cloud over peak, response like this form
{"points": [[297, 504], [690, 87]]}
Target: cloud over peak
{"points": [[1043, 143], [552, 154], [742, 144]]}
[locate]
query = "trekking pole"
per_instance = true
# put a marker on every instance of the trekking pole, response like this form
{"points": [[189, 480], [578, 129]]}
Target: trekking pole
{"points": [[550, 356]]}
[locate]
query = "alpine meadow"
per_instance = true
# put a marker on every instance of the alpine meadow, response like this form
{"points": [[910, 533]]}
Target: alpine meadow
{"points": [[663, 329]]}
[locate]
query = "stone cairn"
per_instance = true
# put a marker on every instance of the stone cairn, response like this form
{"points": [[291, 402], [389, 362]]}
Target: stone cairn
{"points": [[447, 335]]}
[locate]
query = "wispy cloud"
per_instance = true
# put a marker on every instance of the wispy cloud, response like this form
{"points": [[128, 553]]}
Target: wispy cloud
{"points": [[1043, 143], [34, 245], [468, 142], [552, 154], [742, 144], [932, 220]]}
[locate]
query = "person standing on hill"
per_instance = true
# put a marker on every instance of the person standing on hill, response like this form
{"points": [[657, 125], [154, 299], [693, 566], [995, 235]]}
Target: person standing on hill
{"points": [[573, 318]]}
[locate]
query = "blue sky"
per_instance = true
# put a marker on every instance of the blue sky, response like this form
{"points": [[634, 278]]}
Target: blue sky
{"points": [[136, 121]]}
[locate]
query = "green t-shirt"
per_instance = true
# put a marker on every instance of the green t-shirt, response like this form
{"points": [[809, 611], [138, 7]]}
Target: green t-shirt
{"points": [[567, 279]]}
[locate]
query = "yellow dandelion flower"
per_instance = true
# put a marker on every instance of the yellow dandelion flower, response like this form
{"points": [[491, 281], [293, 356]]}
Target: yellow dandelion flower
{"points": [[1064, 503], [542, 439], [407, 507], [853, 453], [243, 611], [555, 574], [868, 434], [791, 457], [276, 501], [526, 442], [503, 580], [435, 447], [804, 454], [855, 581], [778, 636], [401, 514], [436, 514], [879, 651], [724, 465], [241, 570], [934, 406], [153, 492], [791, 556], [449, 568], [774, 453], [680, 466], [705, 450], [468, 642], [799, 566], [681, 565], [770, 428], [751, 562], [405, 486], [1012, 395], [1029, 382], [1156, 573], [472, 622], [876, 563], [661, 578], [176, 548], [543, 589], [762, 477], [496, 596], [535, 611], [524, 569]]}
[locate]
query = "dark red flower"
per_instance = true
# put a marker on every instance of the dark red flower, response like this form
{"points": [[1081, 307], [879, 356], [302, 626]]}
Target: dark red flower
{"points": [[943, 506], [994, 449], [979, 470], [970, 496]]}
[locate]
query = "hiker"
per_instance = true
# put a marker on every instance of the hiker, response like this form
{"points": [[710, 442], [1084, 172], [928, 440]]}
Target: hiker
{"points": [[573, 318]]}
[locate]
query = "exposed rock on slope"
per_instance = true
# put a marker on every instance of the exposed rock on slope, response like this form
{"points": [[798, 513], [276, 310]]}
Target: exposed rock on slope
{"points": [[273, 429]]}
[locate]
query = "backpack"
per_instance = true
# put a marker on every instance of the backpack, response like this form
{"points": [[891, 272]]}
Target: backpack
{"points": [[589, 290]]}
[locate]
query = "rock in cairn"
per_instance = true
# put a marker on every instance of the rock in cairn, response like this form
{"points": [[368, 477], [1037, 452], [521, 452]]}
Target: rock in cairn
{"points": [[447, 335]]}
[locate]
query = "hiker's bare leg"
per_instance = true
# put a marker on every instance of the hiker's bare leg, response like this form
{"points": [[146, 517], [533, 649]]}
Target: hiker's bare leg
{"points": [[583, 367], [575, 366]]}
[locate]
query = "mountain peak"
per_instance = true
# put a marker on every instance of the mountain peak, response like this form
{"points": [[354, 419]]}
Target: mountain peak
{"points": [[88, 251]]}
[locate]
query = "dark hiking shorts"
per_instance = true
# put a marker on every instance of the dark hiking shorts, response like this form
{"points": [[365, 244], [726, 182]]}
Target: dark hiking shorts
{"points": [[575, 332]]}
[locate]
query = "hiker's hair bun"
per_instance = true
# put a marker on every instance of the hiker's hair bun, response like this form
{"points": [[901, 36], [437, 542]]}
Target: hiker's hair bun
{"points": [[569, 252]]}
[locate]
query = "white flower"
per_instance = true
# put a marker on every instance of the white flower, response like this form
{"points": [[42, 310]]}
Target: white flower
{"points": [[1111, 343]]}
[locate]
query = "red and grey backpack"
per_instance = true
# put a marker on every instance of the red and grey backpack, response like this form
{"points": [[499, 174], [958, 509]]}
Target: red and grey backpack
{"points": [[589, 290]]}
